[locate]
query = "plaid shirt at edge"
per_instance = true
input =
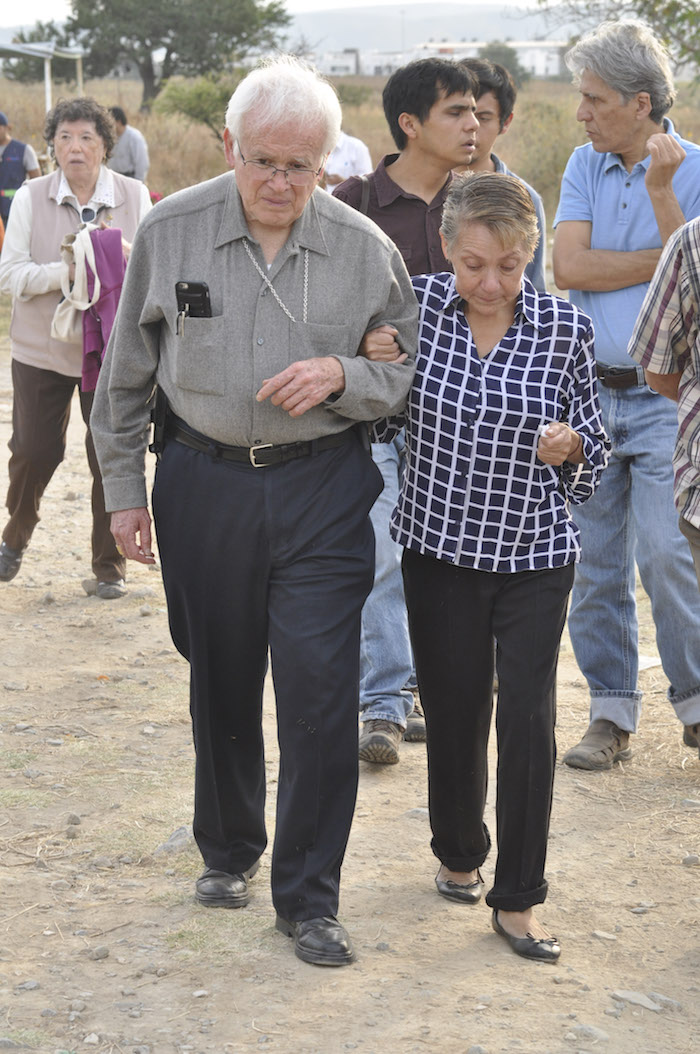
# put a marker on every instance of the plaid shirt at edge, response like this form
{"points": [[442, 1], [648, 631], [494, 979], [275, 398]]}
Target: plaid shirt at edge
{"points": [[474, 492], [666, 339]]}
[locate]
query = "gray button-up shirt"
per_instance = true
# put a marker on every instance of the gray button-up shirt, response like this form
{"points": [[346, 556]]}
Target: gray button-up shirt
{"points": [[211, 368]]}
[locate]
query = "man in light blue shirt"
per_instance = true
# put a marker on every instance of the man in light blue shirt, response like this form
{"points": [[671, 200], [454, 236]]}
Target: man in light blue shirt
{"points": [[623, 194]]}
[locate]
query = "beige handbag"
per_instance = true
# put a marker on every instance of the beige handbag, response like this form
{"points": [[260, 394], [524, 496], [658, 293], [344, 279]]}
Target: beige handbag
{"points": [[67, 323]]}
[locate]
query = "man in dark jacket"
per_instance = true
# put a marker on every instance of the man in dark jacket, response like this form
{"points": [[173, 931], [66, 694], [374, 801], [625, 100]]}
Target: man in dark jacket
{"points": [[18, 161]]}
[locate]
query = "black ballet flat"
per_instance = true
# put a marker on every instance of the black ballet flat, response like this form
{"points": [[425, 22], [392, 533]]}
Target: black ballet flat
{"points": [[544, 949], [469, 894]]}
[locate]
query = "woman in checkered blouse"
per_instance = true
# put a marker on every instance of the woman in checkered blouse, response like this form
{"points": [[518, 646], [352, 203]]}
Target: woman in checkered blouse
{"points": [[503, 434]]}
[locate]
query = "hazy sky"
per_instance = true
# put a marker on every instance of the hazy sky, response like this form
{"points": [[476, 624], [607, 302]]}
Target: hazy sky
{"points": [[44, 10]]}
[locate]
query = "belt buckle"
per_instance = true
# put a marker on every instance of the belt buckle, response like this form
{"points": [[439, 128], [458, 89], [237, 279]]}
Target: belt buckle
{"points": [[254, 449]]}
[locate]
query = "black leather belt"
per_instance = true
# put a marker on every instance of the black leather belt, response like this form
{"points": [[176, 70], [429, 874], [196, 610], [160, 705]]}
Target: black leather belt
{"points": [[261, 456], [620, 376]]}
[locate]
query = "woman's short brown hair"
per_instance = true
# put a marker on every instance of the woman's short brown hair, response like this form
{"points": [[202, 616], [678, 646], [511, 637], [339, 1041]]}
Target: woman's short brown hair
{"points": [[84, 109], [499, 202]]}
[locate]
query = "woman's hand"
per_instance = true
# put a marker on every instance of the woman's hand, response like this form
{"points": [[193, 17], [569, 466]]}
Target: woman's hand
{"points": [[126, 246], [379, 345], [559, 443]]}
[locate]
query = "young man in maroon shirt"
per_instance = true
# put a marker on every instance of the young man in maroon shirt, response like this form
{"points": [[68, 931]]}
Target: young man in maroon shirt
{"points": [[430, 107]]}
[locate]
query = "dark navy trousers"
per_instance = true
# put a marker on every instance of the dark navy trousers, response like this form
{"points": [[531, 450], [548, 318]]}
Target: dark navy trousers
{"points": [[280, 558]]}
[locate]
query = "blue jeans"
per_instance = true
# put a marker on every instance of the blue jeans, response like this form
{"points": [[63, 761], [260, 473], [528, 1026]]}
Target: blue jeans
{"points": [[632, 517], [386, 659]]}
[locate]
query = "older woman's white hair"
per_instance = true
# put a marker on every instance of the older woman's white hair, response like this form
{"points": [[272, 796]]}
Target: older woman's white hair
{"points": [[285, 90]]}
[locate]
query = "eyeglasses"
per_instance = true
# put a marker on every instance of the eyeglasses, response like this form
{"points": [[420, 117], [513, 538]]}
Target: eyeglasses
{"points": [[265, 170]]}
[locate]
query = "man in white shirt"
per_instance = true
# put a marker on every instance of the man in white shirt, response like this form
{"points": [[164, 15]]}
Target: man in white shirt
{"points": [[350, 157], [130, 154]]}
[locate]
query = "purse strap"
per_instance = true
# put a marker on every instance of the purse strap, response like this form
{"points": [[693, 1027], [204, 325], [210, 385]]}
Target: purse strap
{"points": [[79, 246]]}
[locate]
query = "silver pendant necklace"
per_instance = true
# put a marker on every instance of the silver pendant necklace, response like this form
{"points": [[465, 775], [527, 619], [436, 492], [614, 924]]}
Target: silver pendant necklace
{"points": [[272, 289]]}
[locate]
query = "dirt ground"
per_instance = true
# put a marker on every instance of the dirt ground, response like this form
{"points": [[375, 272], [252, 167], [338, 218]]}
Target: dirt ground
{"points": [[103, 948]]}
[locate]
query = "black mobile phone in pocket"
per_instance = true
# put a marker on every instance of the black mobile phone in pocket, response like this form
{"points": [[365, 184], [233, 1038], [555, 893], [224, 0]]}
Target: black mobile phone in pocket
{"points": [[193, 299]]}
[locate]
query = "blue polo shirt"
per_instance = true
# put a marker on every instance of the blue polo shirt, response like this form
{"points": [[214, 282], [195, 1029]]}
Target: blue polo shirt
{"points": [[598, 188]]}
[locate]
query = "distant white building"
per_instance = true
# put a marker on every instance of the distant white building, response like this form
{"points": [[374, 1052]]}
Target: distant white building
{"points": [[541, 58], [345, 63]]}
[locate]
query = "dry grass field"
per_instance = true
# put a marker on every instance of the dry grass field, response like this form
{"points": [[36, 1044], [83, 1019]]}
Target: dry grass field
{"points": [[537, 146]]}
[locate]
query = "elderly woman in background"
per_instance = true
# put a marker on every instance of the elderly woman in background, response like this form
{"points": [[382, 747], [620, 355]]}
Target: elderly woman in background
{"points": [[45, 371], [503, 432]]}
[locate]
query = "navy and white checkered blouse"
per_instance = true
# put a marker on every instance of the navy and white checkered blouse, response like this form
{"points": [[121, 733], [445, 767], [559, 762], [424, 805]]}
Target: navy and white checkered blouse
{"points": [[474, 492]]}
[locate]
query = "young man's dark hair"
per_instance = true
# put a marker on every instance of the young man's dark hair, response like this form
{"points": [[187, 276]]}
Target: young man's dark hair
{"points": [[416, 88], [118, 115], [494, 78]]}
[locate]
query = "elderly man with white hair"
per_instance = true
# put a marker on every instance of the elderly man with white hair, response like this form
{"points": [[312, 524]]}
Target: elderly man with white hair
{"points": [[264, 482]]}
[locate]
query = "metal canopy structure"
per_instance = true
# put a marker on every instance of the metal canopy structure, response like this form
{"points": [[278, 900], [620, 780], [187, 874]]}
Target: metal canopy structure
{"points": [[47, 51]]}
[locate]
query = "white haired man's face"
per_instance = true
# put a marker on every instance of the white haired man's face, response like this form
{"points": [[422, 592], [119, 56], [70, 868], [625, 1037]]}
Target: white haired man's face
{"points": [[270, 200]]}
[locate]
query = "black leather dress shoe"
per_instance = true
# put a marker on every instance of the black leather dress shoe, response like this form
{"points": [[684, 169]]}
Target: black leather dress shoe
{"points": [[544, 949], [321, 941], [217, 889], [469, 894]]}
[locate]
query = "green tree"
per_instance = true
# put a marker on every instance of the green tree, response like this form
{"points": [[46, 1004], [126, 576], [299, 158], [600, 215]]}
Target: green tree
{"points": [[25, 69], [506, 56], [167, 37], [353, 94], [202, 99], [677, 22]]}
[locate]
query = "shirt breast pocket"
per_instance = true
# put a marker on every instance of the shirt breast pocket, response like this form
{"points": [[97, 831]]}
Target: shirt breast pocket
{"points": [[311, 340], [201, 352]]}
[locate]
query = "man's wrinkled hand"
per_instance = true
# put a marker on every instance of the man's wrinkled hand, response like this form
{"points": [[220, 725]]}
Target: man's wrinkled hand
{"points": [[379, 345], [131, 529], [303, 385]]}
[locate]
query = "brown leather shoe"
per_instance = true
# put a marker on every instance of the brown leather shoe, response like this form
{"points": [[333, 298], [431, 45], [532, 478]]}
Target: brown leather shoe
{"points": [[691, 736], [380, 741], [603, 744], [415, 723]]}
